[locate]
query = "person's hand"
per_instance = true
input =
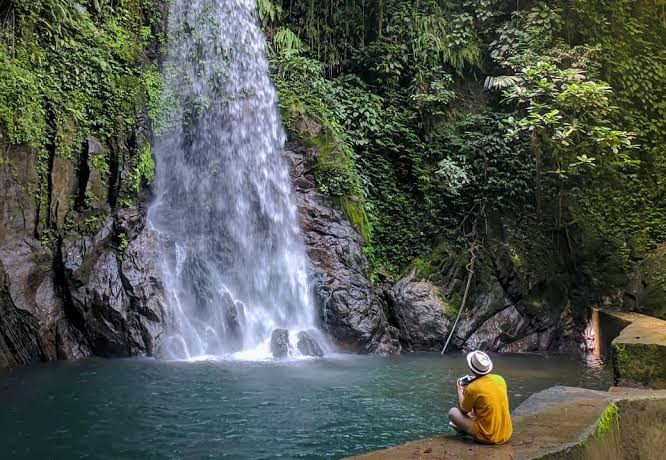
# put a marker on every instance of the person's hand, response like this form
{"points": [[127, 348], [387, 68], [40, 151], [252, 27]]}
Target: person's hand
{"points": [[458, 385]]}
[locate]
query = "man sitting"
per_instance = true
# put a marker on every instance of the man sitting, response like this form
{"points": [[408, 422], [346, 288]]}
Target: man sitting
{"points": [[483, 403]]}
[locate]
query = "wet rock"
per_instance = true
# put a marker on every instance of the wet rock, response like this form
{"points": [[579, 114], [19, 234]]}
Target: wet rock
{"points": [[141, 277], [75, 249], [350, 311], [19, 343], [31, 300], [117, 298], [18, 181], [102, 303], [387, 344], [504, 327], [308, 346], [280, 343], [32, 308], [63, 188], [32, 288], [231, 318], [483, 303], [419, 309]]}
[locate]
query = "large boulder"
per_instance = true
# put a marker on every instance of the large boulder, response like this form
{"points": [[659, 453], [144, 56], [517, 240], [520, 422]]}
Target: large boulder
{"points": [[308, 346], [506, 326], [280, 343], [484, 301], [418, 307], [351, 312]]}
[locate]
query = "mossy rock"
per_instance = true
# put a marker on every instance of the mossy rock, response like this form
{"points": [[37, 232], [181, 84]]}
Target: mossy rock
{"points": [[434, 266], [335, 171], [640, 364]]}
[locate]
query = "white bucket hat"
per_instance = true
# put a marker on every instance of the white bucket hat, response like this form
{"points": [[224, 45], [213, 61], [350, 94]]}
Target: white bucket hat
{"points": [[479, 362]]}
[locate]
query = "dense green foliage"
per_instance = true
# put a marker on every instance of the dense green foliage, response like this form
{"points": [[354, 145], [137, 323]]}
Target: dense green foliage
{"points": [[431, 116], [69, 70], [547, 114]]}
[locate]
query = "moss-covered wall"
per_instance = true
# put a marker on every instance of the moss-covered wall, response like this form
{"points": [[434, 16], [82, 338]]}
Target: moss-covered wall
{"points": [[419, 95], [80, 84], [640, 364], [637, 346]]}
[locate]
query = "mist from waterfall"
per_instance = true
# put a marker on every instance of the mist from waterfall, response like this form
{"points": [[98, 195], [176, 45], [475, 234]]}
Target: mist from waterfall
{"points": [[234, 263]]}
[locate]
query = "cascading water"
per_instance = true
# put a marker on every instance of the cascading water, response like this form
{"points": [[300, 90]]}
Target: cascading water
{"points": [[234, 263]]}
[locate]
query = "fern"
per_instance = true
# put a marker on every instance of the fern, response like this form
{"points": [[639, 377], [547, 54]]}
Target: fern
{"points": [[268, 12], [500, 82], [285, 40]]}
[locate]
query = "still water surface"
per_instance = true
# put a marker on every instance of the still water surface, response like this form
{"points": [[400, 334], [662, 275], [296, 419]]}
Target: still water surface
{"points": [[326, 408]]}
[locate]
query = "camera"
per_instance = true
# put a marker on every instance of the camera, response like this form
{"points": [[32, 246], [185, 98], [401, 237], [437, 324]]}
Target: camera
{"points": [[464, 381]]}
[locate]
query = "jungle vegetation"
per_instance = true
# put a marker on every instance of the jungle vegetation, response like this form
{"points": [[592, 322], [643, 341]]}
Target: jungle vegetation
{"points": [[437, 121], [546, 119]]}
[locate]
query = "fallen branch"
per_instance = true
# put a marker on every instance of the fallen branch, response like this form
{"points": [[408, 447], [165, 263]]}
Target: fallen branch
{"points": [[472, 243], [470, 272]]}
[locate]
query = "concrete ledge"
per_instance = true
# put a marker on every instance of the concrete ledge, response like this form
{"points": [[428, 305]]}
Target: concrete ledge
{"points": [[562, 423], [639, 351]]}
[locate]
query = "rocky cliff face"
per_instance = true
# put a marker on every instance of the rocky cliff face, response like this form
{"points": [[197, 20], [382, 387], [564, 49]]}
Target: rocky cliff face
{"points": [[100, 293], [501, 314], [351, 312], [505, 311], [71, 295], [115, 296]]}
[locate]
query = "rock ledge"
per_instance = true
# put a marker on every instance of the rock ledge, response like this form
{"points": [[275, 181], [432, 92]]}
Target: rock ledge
{"points": [[562, 423]]}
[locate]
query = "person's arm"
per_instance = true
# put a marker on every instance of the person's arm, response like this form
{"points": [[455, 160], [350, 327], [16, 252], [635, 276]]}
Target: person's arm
{"points": [[461, 394], [466, 398]]}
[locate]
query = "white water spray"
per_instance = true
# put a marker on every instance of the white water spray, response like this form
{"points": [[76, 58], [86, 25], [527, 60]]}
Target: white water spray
{"points": [[234, 263]]}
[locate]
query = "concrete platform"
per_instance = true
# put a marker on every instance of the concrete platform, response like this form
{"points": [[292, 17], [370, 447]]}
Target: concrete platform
{"points": [[639, 350], [562, 423]]}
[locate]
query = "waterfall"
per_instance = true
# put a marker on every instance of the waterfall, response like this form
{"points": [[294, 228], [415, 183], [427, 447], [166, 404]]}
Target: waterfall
{"points": [[233, 261]]}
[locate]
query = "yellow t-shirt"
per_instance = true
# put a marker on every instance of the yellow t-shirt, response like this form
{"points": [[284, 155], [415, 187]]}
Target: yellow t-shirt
{"points": [[487, 396]]}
